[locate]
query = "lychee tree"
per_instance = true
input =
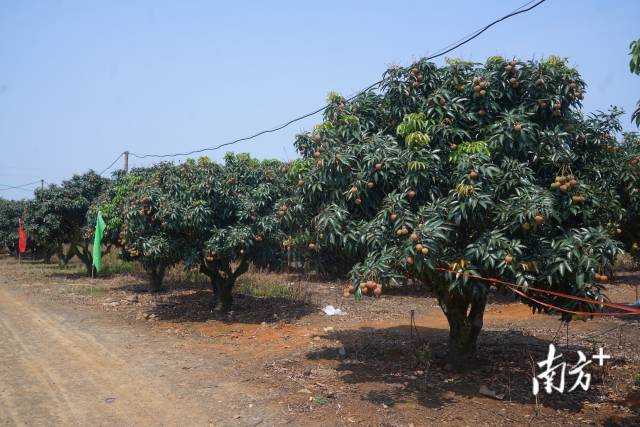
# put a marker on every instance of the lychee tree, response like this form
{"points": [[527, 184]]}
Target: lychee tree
{"points": [[113, 200], [43, 223], [491, 170], [146, 226], [628, 231], [216, 218], [58, 215]]}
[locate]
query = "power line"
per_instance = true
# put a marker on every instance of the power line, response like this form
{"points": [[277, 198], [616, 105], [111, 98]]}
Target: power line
{"points": [[517, 12], [444, 51], [479, 30], [18, 187], [28, 190], [112, 163], [246, 138], [21, 187], [476, 32]]}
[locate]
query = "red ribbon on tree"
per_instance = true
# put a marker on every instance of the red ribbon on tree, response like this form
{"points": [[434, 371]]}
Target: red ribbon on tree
{"points": [[22, 238]]}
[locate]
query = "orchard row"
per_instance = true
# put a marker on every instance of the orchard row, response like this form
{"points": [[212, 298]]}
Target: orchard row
{"points": [[491, 169]]}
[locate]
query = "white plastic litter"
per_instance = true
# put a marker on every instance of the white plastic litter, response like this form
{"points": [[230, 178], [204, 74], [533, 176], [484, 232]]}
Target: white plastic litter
{"points": [[332, 311]]}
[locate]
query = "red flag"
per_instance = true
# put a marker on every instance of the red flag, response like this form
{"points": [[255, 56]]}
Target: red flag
{"points": [[22, 239]]}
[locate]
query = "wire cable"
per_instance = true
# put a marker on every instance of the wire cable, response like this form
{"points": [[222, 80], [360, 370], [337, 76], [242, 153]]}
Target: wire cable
{"points": [[21, 187], [18, 187], [246, 138], [112, 163], [28, 190], [486, 27], [441, 52], [478, 30]]}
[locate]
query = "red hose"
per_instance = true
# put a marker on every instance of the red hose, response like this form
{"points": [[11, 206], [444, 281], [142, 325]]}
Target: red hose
{"points": [[564, 310], [629, 311]]}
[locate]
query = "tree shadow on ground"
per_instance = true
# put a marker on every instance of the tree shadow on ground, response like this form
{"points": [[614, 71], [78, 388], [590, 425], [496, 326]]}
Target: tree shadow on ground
{"points": [[141, 286], [196, 306], [415, 369], [79, 275]]}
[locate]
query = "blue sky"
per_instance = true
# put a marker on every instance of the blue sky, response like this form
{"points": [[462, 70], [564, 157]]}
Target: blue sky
{"points": [[82, 81]]}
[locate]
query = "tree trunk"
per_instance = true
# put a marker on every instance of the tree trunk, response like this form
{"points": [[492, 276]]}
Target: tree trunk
{"points": [[88, 263], [63, 259], [222, 288], [222, 279], [215, 287], [156, 275], [226, 294], [215, 280], [47, 253], [85, 256], [464, 328]]}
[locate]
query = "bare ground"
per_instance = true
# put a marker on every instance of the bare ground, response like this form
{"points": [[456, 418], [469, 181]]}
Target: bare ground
{"points": [[76, 351]]}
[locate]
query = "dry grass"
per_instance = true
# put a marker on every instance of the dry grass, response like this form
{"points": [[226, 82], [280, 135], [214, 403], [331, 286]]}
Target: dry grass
{"points": [[255, 283], [113, 264], [260, 284], [179, 274], [96, 291]]}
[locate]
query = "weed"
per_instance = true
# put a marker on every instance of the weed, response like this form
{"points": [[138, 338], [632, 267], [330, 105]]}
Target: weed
{"points": [[120, 266], [422, 355], [320, 400], [86, 290], [180, 274], [262, 288], [269, 285]]}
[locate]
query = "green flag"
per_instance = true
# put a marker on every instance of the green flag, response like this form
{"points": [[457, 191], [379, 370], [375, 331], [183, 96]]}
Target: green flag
{"points": [[97, 242]]}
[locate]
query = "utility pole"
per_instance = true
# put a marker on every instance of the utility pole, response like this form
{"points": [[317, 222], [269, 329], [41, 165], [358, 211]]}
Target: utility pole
{"points": [[126, 162]]}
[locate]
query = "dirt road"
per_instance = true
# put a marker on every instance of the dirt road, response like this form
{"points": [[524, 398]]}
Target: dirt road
{"points": [[62, 365]]}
